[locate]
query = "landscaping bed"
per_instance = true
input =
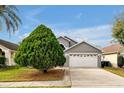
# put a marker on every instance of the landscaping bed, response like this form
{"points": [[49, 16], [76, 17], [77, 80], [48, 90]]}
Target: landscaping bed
{"points": [[117, 71], [29, 74]]}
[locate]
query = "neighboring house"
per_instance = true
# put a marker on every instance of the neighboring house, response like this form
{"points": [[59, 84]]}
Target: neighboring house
{"points": [[80, 54], [8, 49], [110, 53]]}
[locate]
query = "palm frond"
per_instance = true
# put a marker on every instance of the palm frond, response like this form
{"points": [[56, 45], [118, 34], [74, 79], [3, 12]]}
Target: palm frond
{"points": [[12, 21]]}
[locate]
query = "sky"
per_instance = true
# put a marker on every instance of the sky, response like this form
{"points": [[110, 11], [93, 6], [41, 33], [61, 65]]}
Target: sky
{"points": [[92, 24]]}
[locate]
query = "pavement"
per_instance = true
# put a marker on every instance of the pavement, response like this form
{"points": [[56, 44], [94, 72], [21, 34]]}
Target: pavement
{"points": [[94, 77], [32, 84]]}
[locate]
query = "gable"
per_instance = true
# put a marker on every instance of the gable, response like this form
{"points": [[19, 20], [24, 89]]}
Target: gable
{"points": [[83, 47], [63, 41], [66, 41]]}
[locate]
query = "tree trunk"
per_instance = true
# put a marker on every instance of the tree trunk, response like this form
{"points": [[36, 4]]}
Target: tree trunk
{"points": [[44, 71]]}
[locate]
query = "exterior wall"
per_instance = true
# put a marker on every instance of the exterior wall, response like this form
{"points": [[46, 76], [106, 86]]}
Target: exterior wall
{"points": [[67, 61], [72, 43], [12, 53], [9, 59], [112, 58], [99, 60], [82, 48], [7, 54], [64, 42]]}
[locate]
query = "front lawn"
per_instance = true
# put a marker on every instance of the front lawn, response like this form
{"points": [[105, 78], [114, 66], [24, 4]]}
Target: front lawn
{"points": [[29, 74], [117, 71]]}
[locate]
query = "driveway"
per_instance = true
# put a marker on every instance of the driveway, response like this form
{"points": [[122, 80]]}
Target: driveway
{"points": [[94, 77]]}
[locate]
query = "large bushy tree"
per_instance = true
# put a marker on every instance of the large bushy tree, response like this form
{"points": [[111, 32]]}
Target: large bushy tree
{"points": [[118, 28], [40, 50]]}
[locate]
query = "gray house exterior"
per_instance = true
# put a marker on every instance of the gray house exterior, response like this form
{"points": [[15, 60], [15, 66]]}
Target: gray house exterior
{"points": [[80, 54]]}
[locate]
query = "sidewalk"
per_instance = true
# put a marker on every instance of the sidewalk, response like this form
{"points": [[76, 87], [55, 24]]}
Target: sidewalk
{"points": [[62, 83]]}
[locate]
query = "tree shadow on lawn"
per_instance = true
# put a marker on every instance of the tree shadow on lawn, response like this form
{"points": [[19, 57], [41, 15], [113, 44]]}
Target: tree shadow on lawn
{"points": [[30, 74], [36, 75]]}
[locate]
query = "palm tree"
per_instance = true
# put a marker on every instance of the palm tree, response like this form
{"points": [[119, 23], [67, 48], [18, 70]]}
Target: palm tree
{"points": [[8, 15]]}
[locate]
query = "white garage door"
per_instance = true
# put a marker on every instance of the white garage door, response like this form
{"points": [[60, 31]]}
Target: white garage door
{"points": [[83, 60]]}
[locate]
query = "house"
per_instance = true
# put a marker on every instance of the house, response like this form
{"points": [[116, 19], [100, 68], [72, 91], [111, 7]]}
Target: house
{"points": [[80, 54], [77, 54], [110, 53], [8, 49]]}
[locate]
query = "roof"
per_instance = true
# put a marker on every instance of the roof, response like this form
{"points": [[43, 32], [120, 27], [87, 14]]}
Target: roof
{"points": [[112, 48], [81, 43], [67, 38], [8, 45], [70, 39], [64, 38]]}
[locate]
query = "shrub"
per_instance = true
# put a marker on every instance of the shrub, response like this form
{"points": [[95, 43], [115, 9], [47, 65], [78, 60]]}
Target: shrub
{"points": [[120, 61], [2, 60], [106, 64], [41, 50], [102, 64]]}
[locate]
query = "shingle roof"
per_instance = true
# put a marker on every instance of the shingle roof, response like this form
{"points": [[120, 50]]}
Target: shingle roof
{"points": [[70, 39], [112, 48], [9, 45]]}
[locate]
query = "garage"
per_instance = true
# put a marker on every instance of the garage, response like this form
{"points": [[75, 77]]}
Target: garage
{"points": [[83, 55], [83, 60]]}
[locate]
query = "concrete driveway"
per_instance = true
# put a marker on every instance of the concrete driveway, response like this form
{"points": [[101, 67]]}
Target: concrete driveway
{"points": [[94, 77]]}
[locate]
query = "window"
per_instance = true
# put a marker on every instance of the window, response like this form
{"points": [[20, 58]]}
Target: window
{"points": [[62, 46], [2, 53]]}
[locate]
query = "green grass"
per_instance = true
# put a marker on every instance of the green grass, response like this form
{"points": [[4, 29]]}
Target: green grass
{"points": [[29, 74], [117, 71]]}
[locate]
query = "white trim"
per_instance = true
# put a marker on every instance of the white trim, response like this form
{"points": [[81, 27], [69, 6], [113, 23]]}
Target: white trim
{"points": [[7, 48], [82, 53], [4, 47]]}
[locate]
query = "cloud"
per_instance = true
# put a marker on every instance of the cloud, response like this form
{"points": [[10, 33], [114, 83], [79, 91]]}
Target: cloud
{"points": [[24, 36], [78, 16], [99, 35], [34, 13]]}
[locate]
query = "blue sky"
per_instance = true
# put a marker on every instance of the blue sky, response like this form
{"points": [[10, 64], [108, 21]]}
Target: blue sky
{"points": [[89, 23]]}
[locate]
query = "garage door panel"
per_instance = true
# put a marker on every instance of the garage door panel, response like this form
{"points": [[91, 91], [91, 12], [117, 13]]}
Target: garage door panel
{"points": [[82, 60]]}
